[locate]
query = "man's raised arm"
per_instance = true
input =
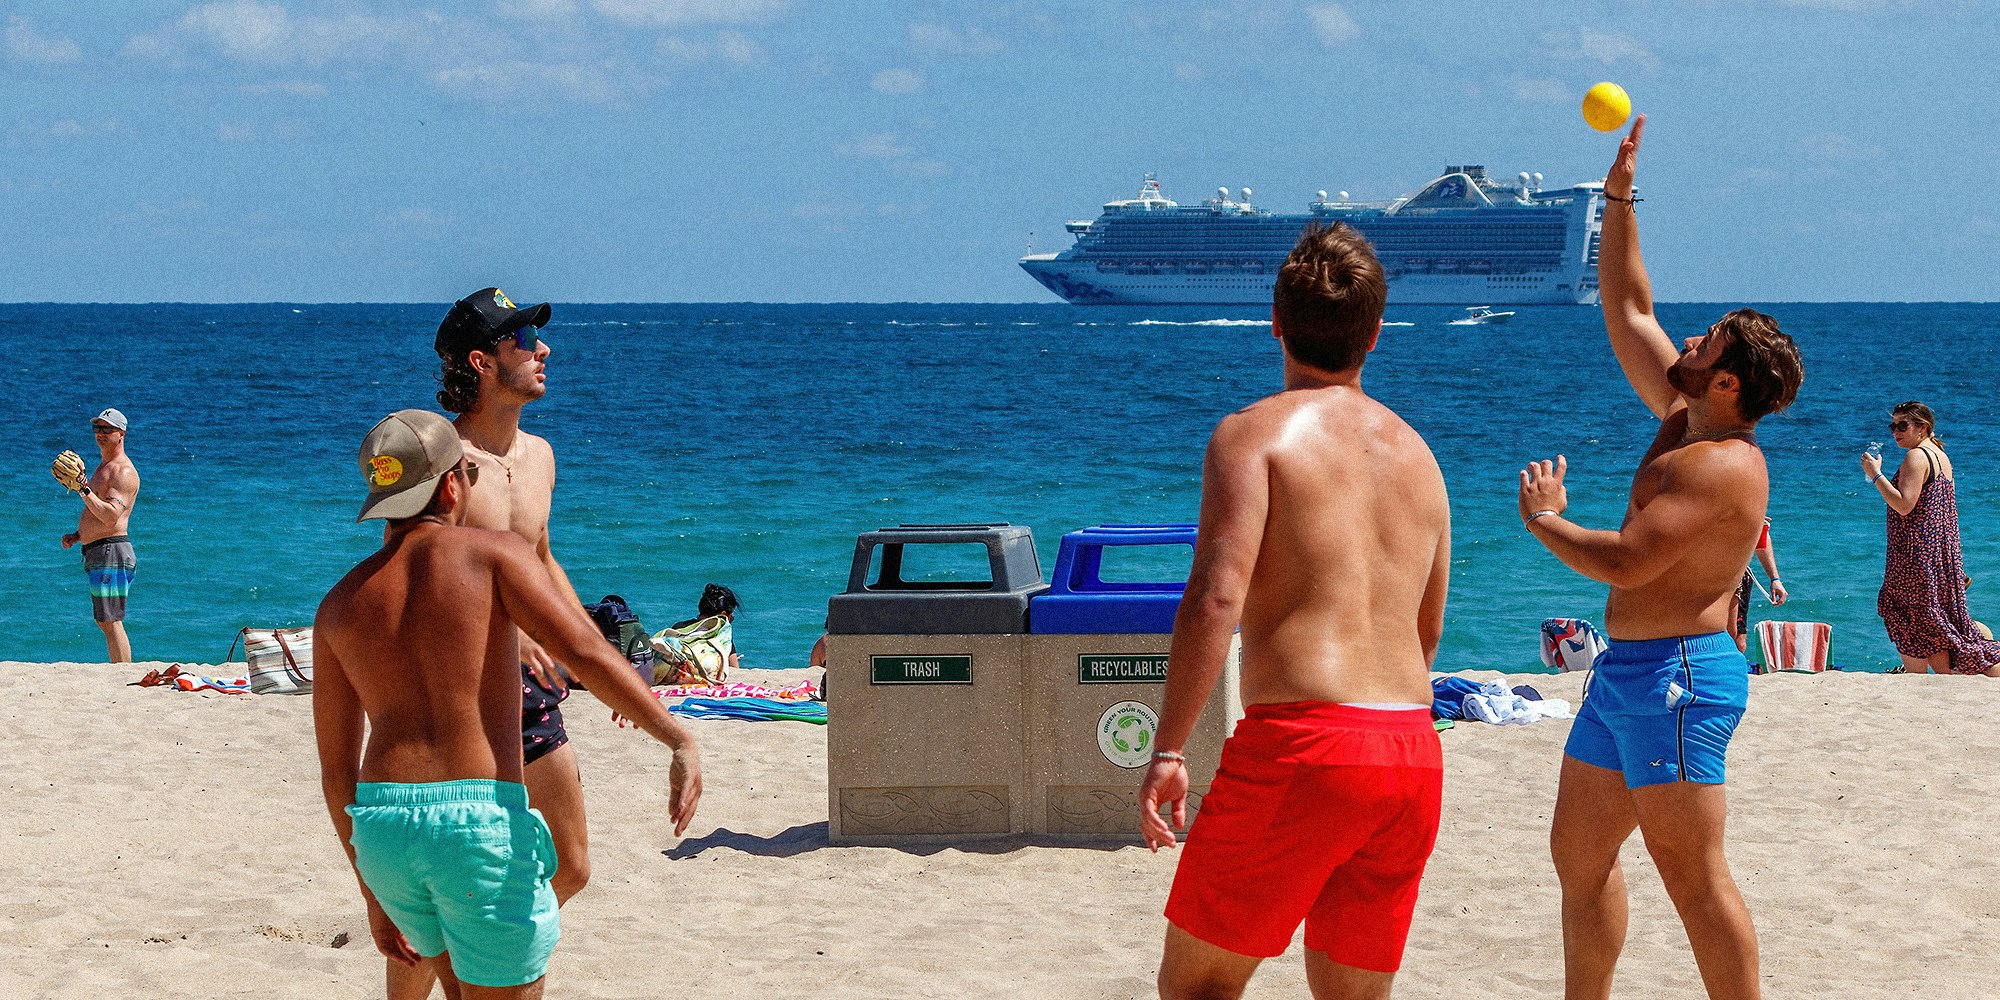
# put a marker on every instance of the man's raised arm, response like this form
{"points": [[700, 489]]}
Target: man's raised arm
{"points": [[1644, 350], [545, 612]]}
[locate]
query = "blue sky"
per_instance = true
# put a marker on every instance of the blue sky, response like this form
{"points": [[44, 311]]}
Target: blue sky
{"points": [[791, 150]]}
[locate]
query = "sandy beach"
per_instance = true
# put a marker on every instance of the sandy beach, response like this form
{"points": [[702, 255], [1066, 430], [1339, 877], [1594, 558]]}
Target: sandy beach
{"points": [[169, 844]]}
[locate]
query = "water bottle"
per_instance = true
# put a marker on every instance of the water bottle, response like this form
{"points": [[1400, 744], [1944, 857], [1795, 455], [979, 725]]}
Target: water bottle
{"points": [[1875, 452]]}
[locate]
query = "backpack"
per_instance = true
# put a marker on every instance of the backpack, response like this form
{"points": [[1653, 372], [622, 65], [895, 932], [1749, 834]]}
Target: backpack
{"points": [[620, 626]]}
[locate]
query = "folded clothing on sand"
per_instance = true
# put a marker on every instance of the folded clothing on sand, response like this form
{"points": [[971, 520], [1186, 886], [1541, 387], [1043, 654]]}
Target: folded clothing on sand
{"points": [[172, 677]]}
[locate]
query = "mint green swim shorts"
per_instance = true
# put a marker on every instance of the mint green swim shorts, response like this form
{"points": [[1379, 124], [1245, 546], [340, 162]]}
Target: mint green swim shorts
{"points": [[462, 867]]}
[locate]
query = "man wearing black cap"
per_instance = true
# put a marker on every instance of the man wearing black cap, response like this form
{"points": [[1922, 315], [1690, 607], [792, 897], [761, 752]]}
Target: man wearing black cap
{"points": [[494, 363]]}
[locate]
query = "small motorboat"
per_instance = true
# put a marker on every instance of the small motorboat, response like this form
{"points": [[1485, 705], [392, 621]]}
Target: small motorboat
{"points": [[1481, 316]]}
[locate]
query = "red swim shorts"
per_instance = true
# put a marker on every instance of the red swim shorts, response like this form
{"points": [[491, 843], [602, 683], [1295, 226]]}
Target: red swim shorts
{"points": [[1320, 813]]}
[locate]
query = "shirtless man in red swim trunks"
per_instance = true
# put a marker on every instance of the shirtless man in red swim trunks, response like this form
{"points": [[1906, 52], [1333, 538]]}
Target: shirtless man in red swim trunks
{"points": [[1325, 534]]}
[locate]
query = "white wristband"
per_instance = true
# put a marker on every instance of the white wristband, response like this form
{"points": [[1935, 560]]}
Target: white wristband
{"points": [[1531, 517]]}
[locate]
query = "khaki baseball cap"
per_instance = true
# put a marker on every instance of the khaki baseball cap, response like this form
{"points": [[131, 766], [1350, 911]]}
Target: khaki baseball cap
{"points": [[402, 459]]}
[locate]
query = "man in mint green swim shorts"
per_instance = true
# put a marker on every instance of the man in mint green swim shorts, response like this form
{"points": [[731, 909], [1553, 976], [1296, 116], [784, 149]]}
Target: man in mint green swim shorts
{"points": [[415, 648]]}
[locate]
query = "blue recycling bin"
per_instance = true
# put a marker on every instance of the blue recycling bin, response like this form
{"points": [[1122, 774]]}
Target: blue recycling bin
{"points": [[1081, 602]]}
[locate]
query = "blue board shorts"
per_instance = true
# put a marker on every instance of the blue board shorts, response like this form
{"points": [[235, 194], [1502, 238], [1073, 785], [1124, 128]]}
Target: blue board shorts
{"points": [[1662, 710], [109, 564], [462, 867]]}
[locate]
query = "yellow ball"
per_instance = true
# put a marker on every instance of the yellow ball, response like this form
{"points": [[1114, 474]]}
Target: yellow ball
{"points": [[1606, 107]]}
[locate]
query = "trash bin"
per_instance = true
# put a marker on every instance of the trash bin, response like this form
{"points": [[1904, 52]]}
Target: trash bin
{"points": [[925, 723], [1097, 667]]}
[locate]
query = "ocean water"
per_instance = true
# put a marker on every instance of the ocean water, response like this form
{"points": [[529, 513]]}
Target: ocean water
{"points": [[748, 444]]}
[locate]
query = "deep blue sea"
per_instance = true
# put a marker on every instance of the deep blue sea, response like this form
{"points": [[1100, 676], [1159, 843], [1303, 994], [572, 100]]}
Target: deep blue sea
{"points": [[748, 444]]}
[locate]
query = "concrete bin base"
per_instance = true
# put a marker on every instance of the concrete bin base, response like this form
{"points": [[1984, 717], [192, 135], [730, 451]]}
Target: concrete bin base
{"points": [[1093, 702], [924, 738]]}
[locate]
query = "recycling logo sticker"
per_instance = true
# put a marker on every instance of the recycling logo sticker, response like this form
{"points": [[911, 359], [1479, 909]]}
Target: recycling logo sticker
{"points": [[1125, 734]]}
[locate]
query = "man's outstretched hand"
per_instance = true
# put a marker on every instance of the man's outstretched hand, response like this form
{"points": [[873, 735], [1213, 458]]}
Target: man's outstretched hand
{"points": [[1618, 183]]}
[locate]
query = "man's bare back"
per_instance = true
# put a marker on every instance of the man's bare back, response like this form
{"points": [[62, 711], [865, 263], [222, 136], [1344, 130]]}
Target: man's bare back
{"points": [[1346, 597], [420, 632], [1325, 536]]}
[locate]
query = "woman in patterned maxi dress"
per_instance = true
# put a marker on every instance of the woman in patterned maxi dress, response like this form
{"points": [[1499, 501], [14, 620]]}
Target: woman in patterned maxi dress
{"points": [[1922, 602]]}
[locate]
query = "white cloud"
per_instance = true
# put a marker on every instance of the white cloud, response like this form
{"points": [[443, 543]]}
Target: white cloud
{"points": [[1851, 6], [236, 132], [538, 10], [492, 80], [265, 34], [25, 44], [875, 146], [1604, 47], [286, 88], [1540, 91], [898, 81], [937, 39], [733, 47], [1331, 23], [1833, 147], [667, 12]]}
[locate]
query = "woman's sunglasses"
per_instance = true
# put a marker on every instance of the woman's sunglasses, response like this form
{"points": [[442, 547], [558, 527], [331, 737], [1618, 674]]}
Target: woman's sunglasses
{"points": [[1899, 426]]}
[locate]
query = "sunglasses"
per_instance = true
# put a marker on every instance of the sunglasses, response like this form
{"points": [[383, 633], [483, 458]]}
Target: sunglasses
{"points": [[524, 338], [1899, 426], [470, 471]]}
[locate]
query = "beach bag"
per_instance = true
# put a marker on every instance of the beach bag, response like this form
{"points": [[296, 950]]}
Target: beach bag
{"points": [[279, 659], [620, 625], [694, 653], [1570, 644], [1801, 647]]}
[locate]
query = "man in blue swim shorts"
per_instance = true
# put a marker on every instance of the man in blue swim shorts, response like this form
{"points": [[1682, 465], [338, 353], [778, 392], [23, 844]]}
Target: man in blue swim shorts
{"points": [[416, 649], [1647, 749]]}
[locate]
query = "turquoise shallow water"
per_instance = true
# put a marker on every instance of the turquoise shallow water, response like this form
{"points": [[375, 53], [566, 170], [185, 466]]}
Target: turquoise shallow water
{"points": [[748, 444]]}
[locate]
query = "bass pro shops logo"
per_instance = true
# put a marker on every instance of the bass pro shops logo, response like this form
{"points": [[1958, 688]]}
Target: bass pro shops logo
{"points": [[1125, 734]]}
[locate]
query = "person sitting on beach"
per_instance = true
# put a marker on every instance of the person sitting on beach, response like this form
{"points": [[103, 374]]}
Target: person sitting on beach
{"points": [[102, 528], [1647, 749], [702, 649], [415, 647], [1325, 533], [1739, 615], [1922, 601]]}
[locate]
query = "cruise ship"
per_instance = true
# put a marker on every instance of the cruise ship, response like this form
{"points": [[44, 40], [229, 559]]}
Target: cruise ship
{"points": [[1462, 239]]}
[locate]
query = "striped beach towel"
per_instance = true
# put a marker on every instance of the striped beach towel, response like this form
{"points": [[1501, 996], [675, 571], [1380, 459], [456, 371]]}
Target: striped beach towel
{"points": [[1802, 647]]}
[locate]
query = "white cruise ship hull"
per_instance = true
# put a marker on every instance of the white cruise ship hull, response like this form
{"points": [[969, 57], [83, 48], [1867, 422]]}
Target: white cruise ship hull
{"points": [[1083, 283]]}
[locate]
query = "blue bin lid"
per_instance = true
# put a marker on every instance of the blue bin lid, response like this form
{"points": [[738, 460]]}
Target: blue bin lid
{"points": [[1080, 556]]}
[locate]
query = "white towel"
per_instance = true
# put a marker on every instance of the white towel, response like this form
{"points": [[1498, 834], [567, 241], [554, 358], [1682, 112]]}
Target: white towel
{"points": [[1494, 704]]}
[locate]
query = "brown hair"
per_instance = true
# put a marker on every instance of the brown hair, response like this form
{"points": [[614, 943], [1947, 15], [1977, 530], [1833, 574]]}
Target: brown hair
{"points": [[1922, 414], [1764, 360], [461, 384], [1329, 297]]}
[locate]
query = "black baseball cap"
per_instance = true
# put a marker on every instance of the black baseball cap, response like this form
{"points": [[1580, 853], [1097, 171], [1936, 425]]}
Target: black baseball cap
{"points": [[478, 321]]}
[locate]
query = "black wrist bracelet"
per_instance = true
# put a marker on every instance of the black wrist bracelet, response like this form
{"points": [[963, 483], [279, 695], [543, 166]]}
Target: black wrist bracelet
{"points": [[1628, 201]]}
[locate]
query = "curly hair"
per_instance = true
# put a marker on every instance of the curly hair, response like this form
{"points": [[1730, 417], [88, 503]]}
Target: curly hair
{"points": [[1329, 297], [461, 385], [1764, 359]]}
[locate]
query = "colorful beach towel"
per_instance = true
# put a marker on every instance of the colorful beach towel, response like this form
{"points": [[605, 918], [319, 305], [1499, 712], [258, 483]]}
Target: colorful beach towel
{"points": [[1570, 644], [1800, 647], [802, 691], [751, 710]]}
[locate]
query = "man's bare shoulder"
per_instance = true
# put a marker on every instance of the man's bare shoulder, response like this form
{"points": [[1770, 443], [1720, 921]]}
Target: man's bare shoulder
{"points": [[1707, 466]]}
